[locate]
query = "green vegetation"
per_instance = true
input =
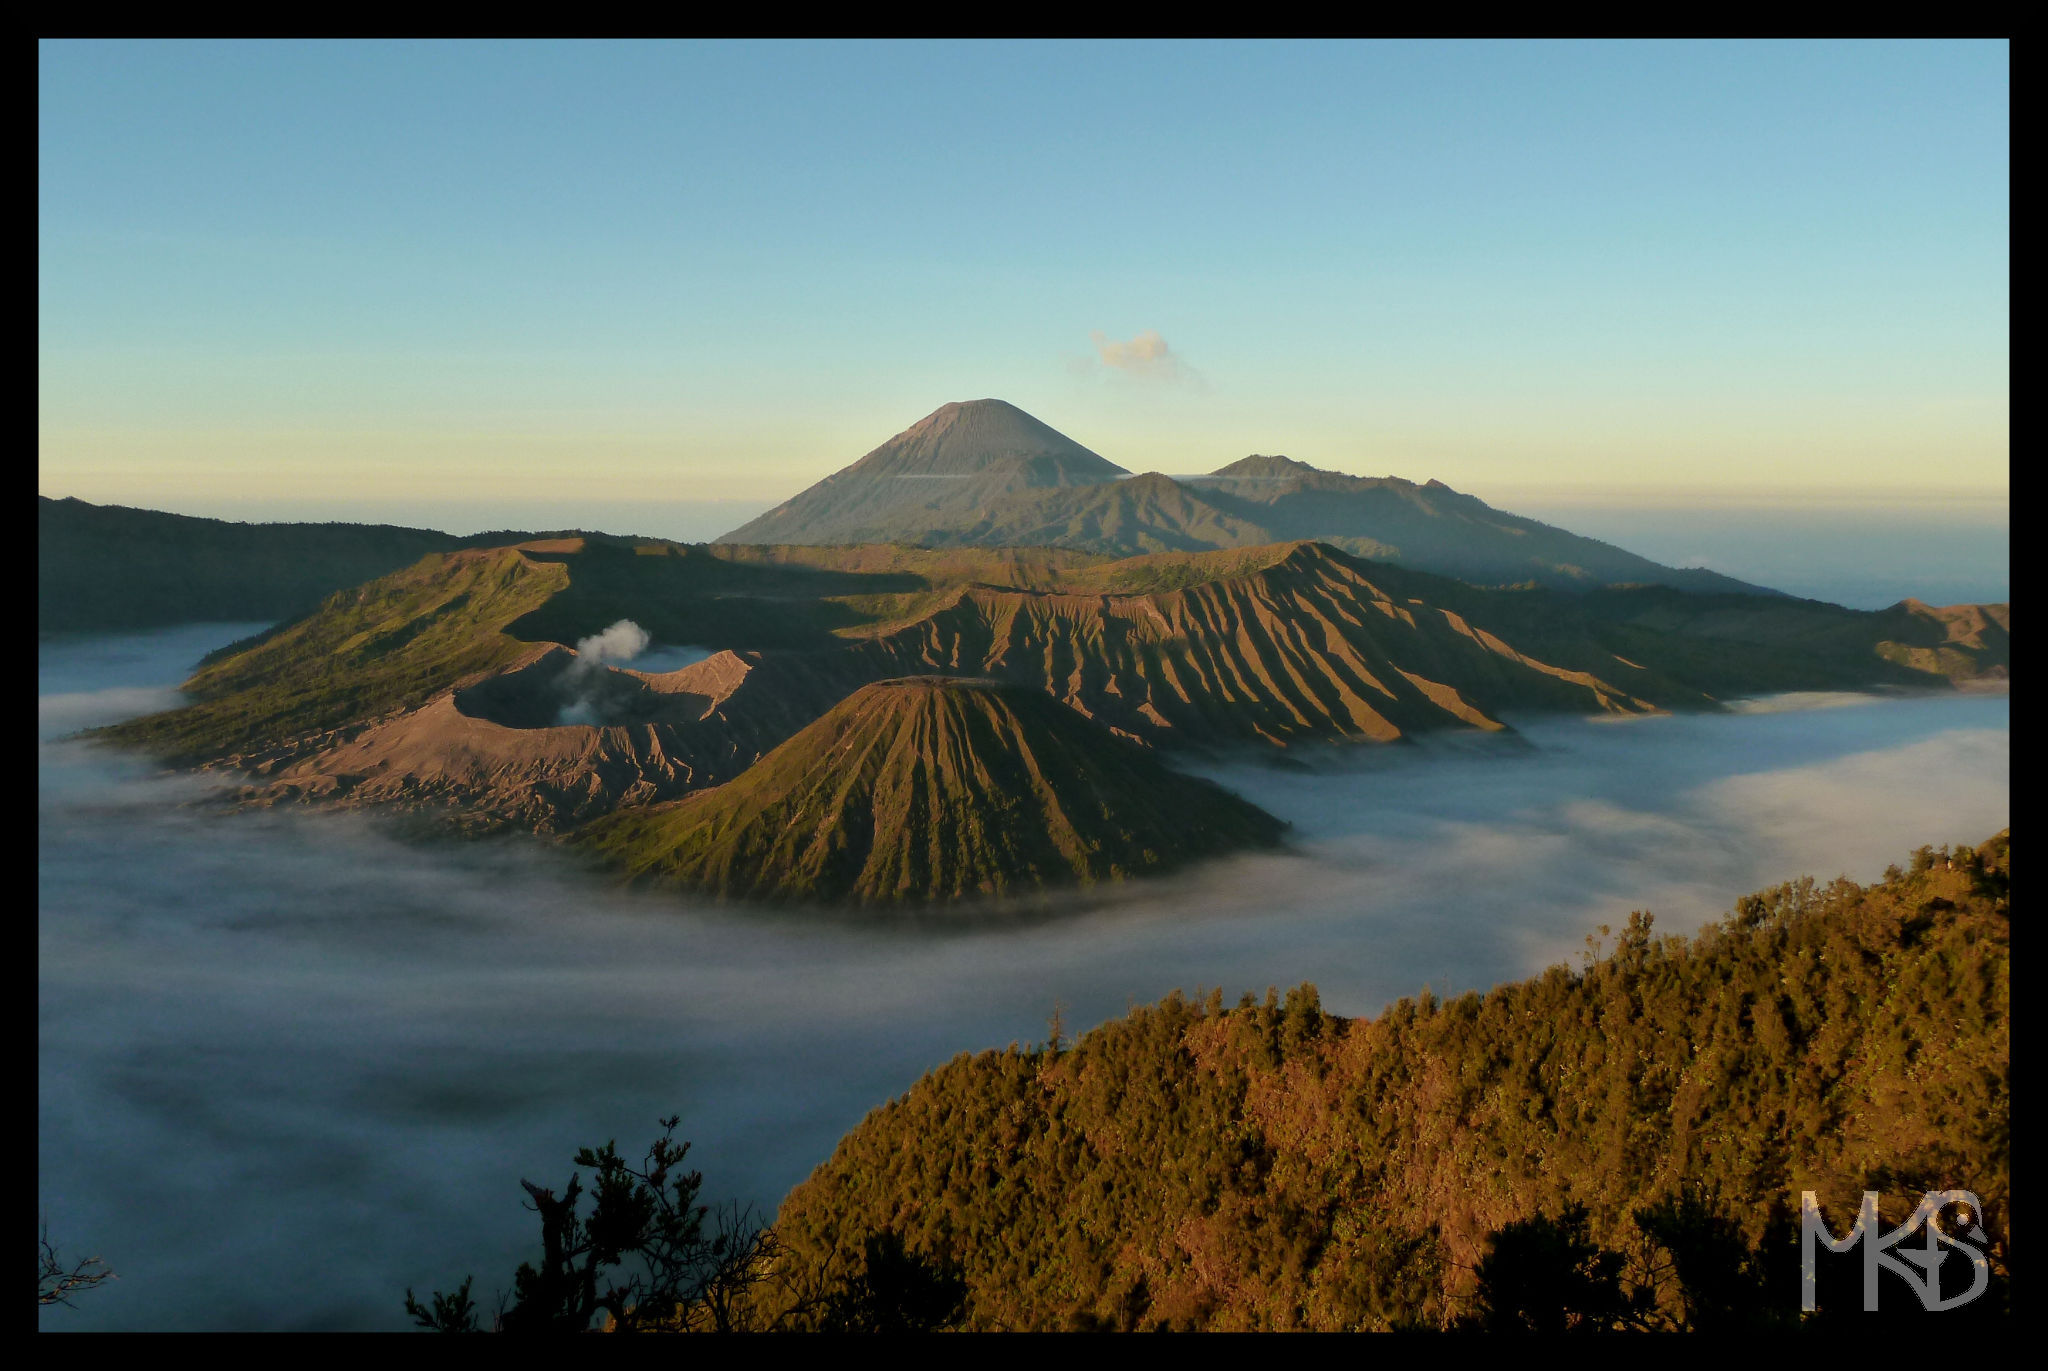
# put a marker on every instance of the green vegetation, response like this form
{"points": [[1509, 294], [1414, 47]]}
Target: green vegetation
{"points": [[357, 703], [1612, 1147], [390, 645], [1157, 573], [769, 598], [931, 789]]}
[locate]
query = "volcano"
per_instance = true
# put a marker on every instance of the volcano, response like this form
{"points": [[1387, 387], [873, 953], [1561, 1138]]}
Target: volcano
{"points": [[934, 789], [940, 471]]}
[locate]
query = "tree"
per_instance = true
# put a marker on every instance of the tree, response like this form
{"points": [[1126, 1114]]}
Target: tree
{"points": [[1547, 1275], [641, 1257], [648, 1258], [1723, 1284], [895, 1291], [56, 1282]]}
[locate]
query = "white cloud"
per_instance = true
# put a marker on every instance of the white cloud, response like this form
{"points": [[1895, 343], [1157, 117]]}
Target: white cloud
{"points": [[1145, 356]]}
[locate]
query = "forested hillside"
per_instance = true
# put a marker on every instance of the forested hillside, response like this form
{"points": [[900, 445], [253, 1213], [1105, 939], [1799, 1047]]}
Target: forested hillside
{"points": [[1273, 1166]]}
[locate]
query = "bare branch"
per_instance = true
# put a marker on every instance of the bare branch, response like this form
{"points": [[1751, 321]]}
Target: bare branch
{"points": [[55, 1282]]}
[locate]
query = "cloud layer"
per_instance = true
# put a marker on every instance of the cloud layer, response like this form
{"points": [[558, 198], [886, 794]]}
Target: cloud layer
{"points": [[286, 1042]]}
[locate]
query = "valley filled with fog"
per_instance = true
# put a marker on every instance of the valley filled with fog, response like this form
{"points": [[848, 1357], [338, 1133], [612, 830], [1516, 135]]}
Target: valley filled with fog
{"points": [[291, 1065]]}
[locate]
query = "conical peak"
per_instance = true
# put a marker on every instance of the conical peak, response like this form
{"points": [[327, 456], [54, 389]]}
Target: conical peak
{"points": [[953, 410], [936, 788], [969, 437], [897, 702]]}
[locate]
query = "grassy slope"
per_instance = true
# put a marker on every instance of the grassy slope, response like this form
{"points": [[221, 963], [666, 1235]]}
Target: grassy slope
{"points": [[391, 644], [934, 789], [1232, 643], [746, 597], [1276, 1167]]}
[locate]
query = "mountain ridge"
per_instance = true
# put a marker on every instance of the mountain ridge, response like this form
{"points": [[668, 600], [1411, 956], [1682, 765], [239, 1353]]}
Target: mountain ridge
{"points": [[988, 495], [113, 567]]}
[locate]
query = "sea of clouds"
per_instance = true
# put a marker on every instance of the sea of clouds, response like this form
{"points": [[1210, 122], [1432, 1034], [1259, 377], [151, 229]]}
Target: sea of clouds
{"points": [[289, 1066]]}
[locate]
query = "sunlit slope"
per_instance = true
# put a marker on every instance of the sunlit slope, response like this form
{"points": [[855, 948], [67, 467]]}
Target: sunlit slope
{"points": [[1289, 647], [1276, 1167], [493, 753], [934, 789], [389, 645], [1272, 644], [1961, 642], [394, 643], [443, 686], [1299, 643], [957, 460]]}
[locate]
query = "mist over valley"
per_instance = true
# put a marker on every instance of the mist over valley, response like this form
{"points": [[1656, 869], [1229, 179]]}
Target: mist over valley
{"points": [[1353, 686], [293, 1040]]}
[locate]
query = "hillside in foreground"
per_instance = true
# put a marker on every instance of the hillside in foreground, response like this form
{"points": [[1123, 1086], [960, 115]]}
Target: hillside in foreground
{"points": [[1272, 1166], [934, 788]]}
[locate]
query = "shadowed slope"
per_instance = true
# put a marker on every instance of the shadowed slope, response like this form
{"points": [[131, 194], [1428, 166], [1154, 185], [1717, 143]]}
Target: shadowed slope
{"points": [[102, 567], [1433, 528], [934, 789], [1148, 513]]}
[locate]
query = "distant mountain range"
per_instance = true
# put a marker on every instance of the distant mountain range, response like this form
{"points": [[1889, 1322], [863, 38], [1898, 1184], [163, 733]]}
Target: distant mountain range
{"points": [[1061, 617], [984, 473], [108, 567], [452, 689]]}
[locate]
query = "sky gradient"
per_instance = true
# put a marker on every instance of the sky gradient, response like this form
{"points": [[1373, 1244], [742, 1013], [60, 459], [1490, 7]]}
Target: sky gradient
{"points": [[360, 279]]}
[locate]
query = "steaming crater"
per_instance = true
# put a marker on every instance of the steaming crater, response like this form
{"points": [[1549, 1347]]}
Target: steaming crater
{"points": [[567, 687]]}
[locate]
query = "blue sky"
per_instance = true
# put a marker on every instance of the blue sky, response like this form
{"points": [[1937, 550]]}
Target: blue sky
{"points": [[331, 276]]}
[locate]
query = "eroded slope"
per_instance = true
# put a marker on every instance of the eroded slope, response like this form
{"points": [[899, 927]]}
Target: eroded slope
{"points": [[934, 789]]}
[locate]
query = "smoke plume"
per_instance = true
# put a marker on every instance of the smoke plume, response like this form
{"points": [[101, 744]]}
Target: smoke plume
{"points": [[620, 643]]}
